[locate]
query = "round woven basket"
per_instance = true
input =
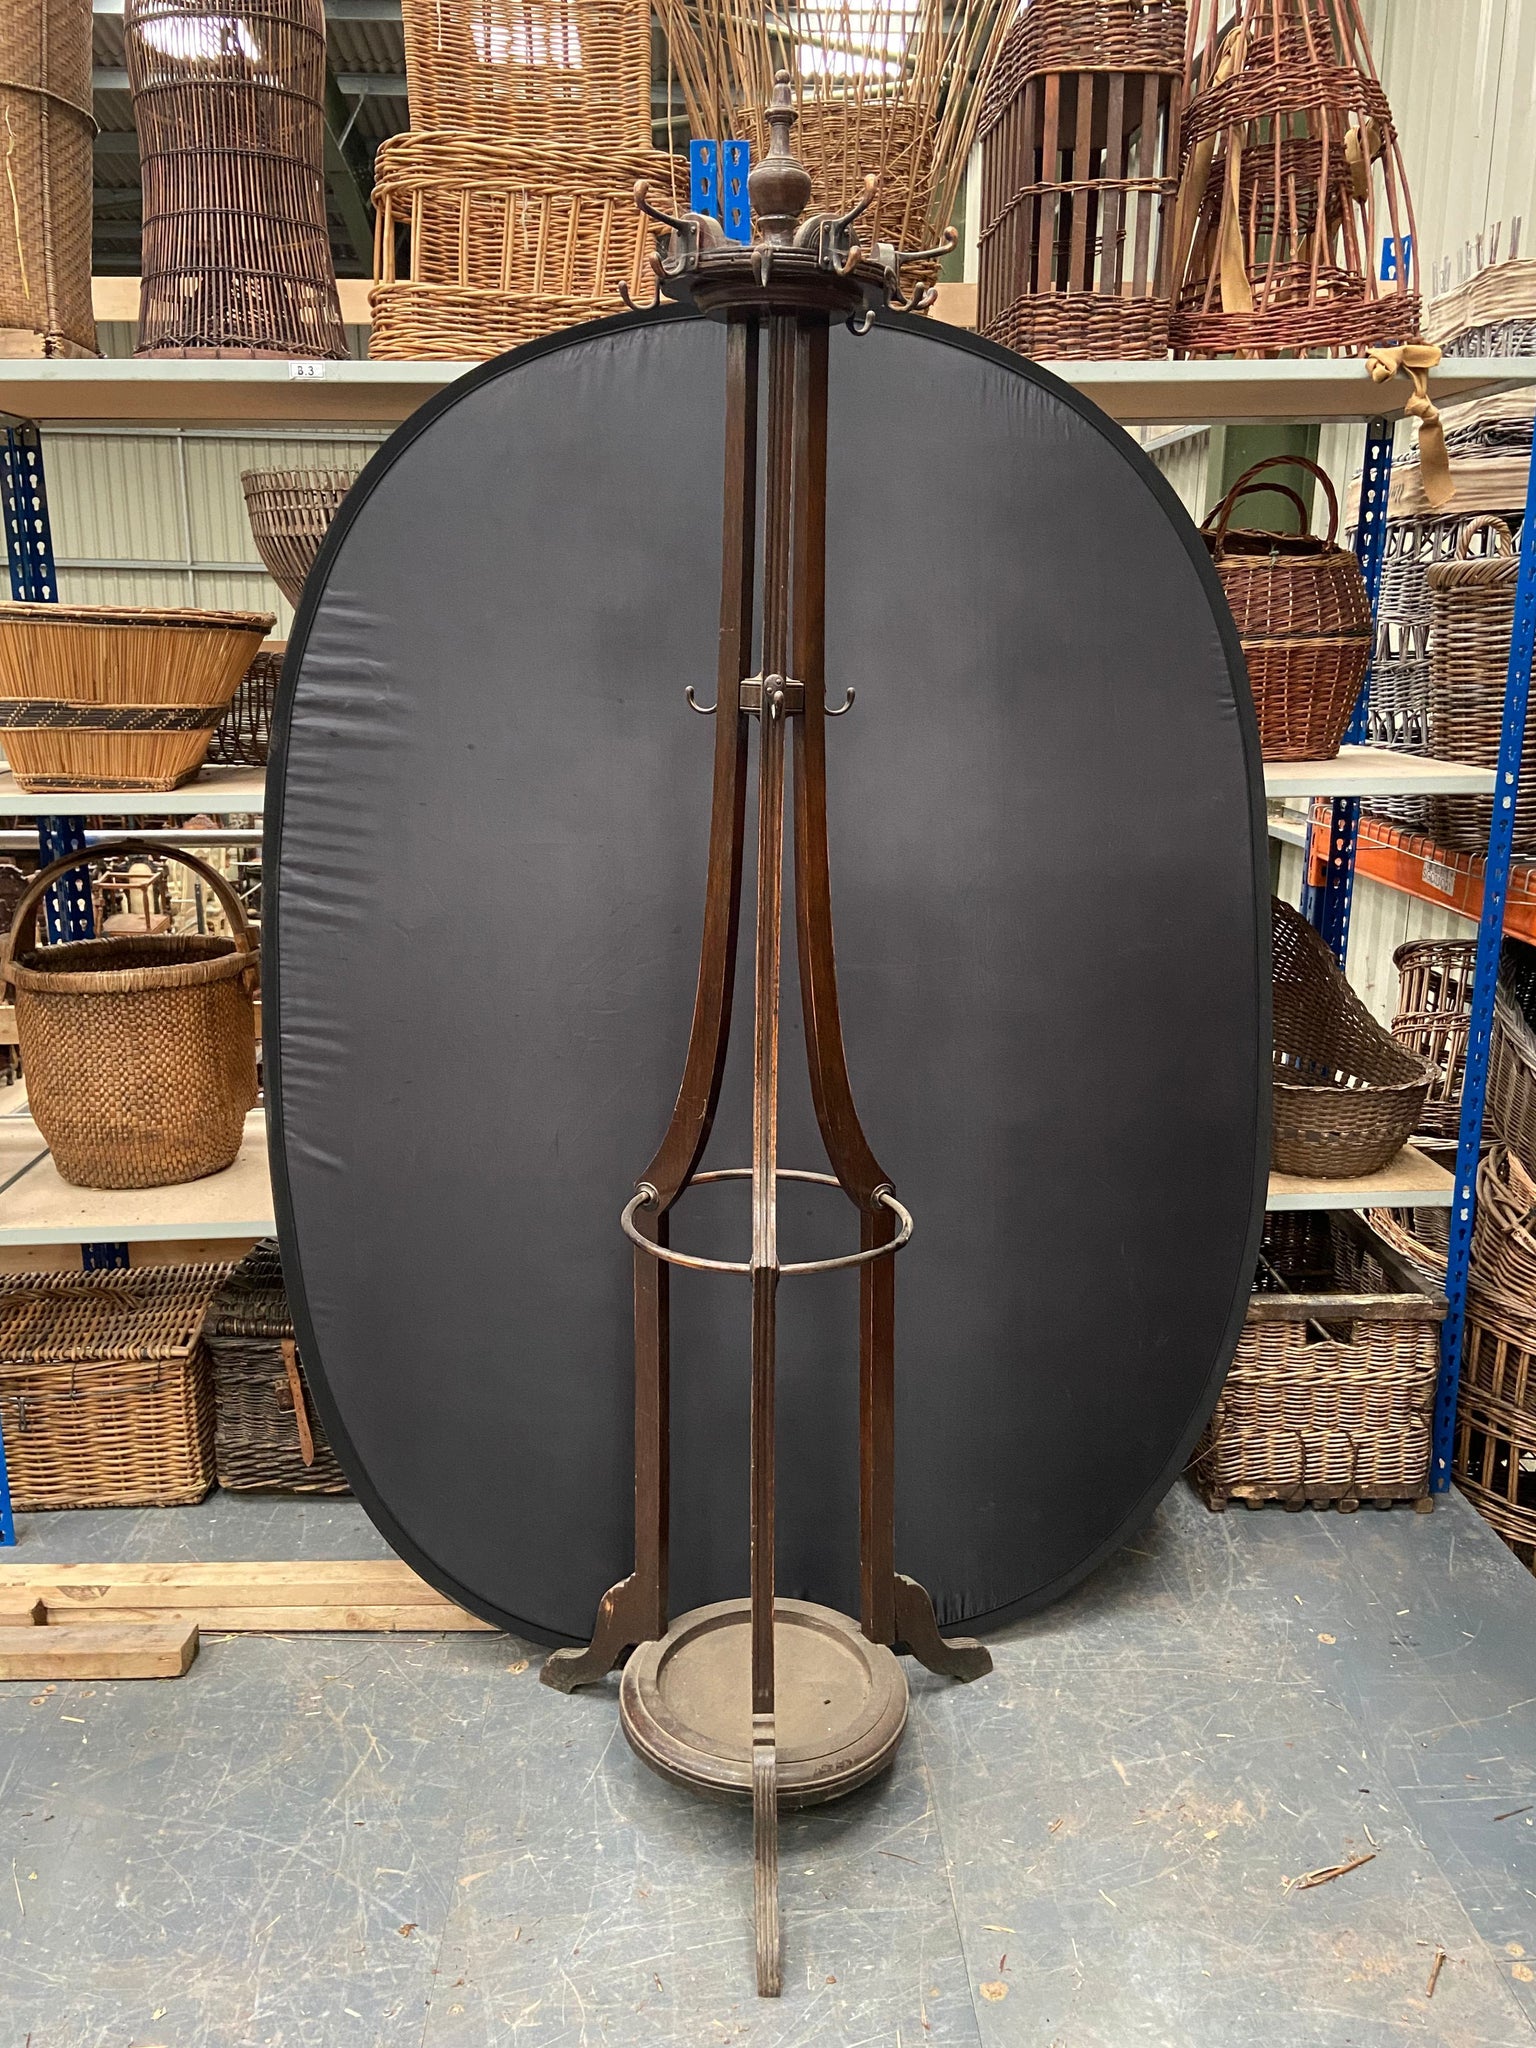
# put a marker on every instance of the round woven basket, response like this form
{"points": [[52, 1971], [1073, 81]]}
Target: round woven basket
{"points": [[1347, 1096], [1434, 1011], [576, 71], [45, 116], [290, 511], [140, 1053], [1302, 614], [1471, 621], [117, 697], [244, 733]]}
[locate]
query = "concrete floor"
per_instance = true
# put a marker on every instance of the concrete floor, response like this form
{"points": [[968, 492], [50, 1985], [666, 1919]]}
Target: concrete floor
{"points": [[407, 1842]]}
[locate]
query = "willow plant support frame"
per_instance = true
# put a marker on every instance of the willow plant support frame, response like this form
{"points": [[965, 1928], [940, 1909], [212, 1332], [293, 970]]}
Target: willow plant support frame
{"points": [[792, 282]]}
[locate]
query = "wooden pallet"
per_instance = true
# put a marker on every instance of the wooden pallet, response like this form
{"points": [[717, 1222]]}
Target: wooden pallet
{"points": [[329, 1595]]}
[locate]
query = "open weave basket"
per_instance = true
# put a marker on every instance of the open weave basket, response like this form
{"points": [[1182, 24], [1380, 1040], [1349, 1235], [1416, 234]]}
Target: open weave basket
{"points": [[45, 221], [566, 71], [1302, 614], [140, 1052], [1330, 1399], [1471, 621], [269, 1437], [244, 734], [105, 1399], [1511, 1105], [1495, 1453], [290, 511], [1434, 1012], [1347, 1096]]}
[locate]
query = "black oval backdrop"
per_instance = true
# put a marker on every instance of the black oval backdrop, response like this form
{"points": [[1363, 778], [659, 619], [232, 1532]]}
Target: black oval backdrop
{"points": [[485, 851]]}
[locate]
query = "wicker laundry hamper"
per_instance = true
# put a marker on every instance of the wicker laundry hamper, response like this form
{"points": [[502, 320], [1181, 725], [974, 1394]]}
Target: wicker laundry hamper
{"points": [[45, 224], [1330, 1400], [1471, 621], [105, 1395], [117, 697], [1292, 181], [269, 1438], [508, 240], [290, 511], [1079, 139], [230, 109], [1434, 1013], [576, 72], [1302, 615], [140, 1052], [1347, 1096], [244, 733]]}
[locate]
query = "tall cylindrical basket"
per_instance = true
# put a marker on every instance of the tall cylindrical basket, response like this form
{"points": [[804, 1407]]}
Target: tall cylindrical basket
{"points": [[45, 217], [230, 107]]}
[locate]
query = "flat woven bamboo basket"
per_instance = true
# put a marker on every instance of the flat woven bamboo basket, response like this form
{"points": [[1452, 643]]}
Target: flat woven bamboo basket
{"points": [[1347, 1096], [508, 241], [1471, 621], [105, 1395], [1079, 139], [230, 109], [45, 221], [290, 511], [564, 71], [269, 1438], [1302, 615], [1434, 1011], [114, 697], [244, 733], [140, 1052], [1330, 1399]]}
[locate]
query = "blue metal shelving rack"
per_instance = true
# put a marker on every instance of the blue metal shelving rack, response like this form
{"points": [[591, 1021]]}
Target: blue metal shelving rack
{"points": [[1328, 907]]}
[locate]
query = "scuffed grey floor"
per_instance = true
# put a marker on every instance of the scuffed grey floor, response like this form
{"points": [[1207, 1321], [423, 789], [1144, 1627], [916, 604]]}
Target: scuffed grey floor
{"points": [[407, 1842]]}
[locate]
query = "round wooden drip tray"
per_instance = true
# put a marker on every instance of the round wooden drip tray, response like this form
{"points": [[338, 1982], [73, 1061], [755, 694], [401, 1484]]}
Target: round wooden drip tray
{"points": [[841, 1702]]}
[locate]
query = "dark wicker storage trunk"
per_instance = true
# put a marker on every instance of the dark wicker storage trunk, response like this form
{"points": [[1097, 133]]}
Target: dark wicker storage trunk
{"points": [[269, 1438], [1330, 1400]]}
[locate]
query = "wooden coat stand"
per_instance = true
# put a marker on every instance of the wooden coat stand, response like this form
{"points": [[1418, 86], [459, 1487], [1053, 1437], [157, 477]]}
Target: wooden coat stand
{"points": [[827, 1702]]}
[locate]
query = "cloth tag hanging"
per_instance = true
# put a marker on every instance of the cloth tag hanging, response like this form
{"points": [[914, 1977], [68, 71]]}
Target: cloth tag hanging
{"points": [[1415, 359]]}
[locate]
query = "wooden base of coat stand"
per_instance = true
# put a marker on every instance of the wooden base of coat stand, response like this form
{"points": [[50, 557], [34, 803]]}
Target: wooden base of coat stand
{"points": [[142, 1620]]}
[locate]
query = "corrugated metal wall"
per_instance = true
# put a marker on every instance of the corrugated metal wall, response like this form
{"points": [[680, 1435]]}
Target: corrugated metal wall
{"points": [[1381, 919]]}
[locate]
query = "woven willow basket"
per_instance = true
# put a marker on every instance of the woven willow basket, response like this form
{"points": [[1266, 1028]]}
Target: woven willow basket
{"points": [[290, 511], [105, 1398], [1302, 615], [1330, 1398], [575, 71], [244, 734], [140, 1052], [45, 221], [1495, 1454], [1511, 1109], [1471, 621], [269, 1438], [508, 241], [1347, 1096], [108, 697], [1434, 1012]]}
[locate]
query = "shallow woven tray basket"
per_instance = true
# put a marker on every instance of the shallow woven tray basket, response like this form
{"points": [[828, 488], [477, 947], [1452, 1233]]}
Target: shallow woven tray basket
{"points": [[1331, 1395], [105, 1396], [140, 1052], [269, 1437], [114, 697], [1302, 615], [1347, 1096], [290, 511]]}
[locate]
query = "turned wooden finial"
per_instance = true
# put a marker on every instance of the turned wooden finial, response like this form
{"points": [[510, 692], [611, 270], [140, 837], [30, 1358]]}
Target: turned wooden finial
{"points": [[779, 186]]}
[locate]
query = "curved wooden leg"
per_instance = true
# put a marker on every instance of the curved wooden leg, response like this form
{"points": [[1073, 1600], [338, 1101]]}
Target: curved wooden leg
{"points": [[917, 1632], [625, 1616]]}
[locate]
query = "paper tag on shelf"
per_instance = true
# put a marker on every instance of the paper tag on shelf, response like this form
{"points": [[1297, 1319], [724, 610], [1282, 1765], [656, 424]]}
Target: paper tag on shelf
{"points": [[307, 369], [1438, 876]]}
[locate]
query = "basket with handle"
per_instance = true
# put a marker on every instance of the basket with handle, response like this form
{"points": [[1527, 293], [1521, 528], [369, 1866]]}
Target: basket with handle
{"points": [[1302, 615], [1471, 620], [139, 1051], [1346, 1094]]}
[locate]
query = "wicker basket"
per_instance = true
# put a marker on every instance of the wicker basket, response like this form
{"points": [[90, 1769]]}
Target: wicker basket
{"points": [[105, 1398], [574, 71], [1510, 1112], [1282, 205], [1347, 1096], [290, 511], [1472, 617], [269, 1437], [1303, 617], [1330, 1399], [230, 110], [508, 241], [140, 1053], [1079, 142], [103, 697], [245, 731], [1495, 1454], [1434, 1011], [45, 116], [1492, 310]]}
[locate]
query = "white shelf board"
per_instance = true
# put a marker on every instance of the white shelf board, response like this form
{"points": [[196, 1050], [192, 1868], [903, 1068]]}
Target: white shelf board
{"points": [[1410, 1181], [37, 1207], [1376, 771], [216, 792], [248, 394]]}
